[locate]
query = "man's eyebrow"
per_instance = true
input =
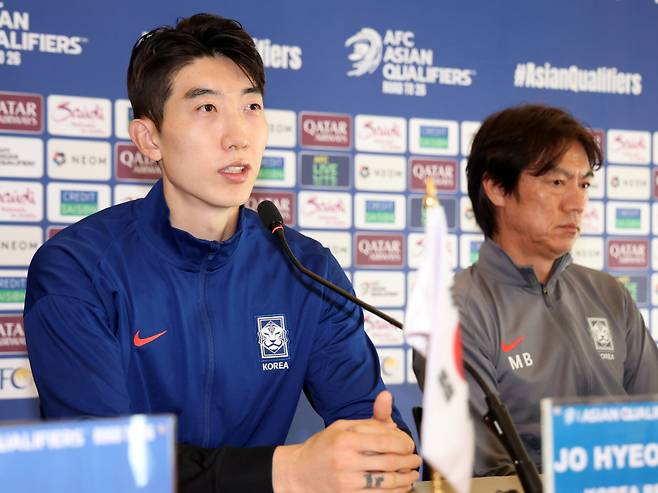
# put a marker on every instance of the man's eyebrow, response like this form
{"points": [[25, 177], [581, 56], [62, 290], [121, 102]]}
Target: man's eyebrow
{"points": [[196, 92], [570, 174]]}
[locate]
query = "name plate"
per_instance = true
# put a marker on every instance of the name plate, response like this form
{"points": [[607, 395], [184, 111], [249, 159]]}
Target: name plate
{"points": [[600, 446], [130, 454]]}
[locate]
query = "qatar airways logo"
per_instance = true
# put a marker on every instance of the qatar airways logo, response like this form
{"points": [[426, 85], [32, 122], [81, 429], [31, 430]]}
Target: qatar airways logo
{"points": [[629, 147], [284, 201], [628, 254], [325, 210], [326, 131], [78, 116], [442, 171], [379, 250], [21, 112], [380, 134], [12, 334], [130, 164]]}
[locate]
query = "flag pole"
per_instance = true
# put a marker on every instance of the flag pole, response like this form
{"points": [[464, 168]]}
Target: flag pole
{"points": [[431, 201]]}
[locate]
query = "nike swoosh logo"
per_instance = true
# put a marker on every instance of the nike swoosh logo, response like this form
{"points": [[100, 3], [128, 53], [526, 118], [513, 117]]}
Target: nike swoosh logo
{"points": [[508, 347], [139, 342]]}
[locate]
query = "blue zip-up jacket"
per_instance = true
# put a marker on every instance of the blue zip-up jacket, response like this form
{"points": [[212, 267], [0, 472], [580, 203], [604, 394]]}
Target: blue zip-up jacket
{"points": [[125, 314]]}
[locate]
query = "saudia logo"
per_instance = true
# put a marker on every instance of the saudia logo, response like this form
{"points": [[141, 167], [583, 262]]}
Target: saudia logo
{"points": [[67, 111], [18, 197], [406, 68]]}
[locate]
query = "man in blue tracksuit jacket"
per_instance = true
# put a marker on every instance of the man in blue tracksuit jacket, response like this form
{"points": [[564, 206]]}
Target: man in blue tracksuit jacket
{"points": [[182, 302]]}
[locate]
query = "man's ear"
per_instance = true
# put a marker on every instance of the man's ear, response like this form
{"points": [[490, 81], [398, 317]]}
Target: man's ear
{"points": [[146, 137], [494, 191]]}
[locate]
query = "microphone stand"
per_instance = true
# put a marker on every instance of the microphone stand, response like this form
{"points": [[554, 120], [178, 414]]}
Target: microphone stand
{"points": [[497, 419]]}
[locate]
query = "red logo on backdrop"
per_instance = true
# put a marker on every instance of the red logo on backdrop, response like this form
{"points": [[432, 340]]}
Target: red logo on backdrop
{"points": [[130, 164], [284, 201], [628, 254], [53, 230], [326, 130], [21, 112], [12, 335], [655, 183], [379, 250], [443, 171], [599, 137]]}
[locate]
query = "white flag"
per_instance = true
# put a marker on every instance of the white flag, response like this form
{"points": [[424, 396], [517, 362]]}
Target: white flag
{"points": [[432, 328]]}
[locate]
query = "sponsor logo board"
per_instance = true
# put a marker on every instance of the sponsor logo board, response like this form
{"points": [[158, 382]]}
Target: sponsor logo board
{"points": [[325, 130], [391, 362], [628, 182], [70, 202], [380, 332], [16, 381], [283, 128], [442, 171], [417, 212], [596, 188], [284, 201], [18, 244], [123, 115], [53, 230], [79, 159], [379, 250], [132, 165], [21, 201], [380, 173], [469, 249], [277, 169], [411, 376], [416, 249], [12, 334], [588, 251], [325, 210], [338, 242], [628, 253], [437, 137], [629, 146], [21, 112], [462, 176], [12, 289], [467, 220], [592, 222], [126, 193], [76, 116], [21, 157], [379, 211], [324, 170], [380, 288], [637, 285], [468, 131], [380, 133], [655, 147], [630, 218]]}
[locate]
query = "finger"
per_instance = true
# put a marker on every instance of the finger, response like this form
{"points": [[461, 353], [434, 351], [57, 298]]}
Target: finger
{"points": [[387, 481], [382, 409], [387, 442], [349, 424], [373, 426], [390, 462]]}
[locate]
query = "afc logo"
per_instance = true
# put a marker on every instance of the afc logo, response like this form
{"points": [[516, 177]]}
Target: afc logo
{"points": [[273, 341]]}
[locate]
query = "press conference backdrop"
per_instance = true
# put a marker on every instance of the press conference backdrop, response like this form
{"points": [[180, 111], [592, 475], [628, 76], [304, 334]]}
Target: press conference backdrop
{"points": [[365, 99]]}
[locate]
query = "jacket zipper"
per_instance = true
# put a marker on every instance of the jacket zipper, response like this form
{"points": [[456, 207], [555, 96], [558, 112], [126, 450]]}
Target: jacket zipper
{"points": [[211, 351]]}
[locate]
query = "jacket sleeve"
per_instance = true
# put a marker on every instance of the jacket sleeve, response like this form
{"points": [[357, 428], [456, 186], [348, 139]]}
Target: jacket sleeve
{"points": [[491, 458], [641, 365], [78, 367], [343, 376]]}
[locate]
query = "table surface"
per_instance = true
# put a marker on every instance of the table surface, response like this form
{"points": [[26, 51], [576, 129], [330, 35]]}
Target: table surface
{"points": [[478, 485]]}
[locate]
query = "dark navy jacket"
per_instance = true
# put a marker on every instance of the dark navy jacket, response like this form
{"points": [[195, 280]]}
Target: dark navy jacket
{"points": [[125, 314]]}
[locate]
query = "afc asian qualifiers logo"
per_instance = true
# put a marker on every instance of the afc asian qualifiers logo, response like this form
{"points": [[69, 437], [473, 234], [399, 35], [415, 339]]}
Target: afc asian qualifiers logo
{"points": [[600, 331], [273, 341]]}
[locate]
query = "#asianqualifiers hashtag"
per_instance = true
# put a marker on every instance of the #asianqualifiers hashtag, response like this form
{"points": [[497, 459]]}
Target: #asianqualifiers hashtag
{"points": [[606, 80]]}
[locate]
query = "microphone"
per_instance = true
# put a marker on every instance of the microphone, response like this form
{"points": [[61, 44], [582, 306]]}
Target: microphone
{"points": [[498, 419]]}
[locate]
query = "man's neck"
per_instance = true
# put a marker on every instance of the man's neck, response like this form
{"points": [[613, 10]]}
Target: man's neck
{"points": [[541, 265], [199, 218]]}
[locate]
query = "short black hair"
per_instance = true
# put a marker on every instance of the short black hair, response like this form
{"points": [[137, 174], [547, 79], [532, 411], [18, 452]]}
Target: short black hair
{"points": [[530, 137], [159, 54]]}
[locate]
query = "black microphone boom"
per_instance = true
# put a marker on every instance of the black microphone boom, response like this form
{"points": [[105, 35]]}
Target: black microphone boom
{"points": [[497, 419]]}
